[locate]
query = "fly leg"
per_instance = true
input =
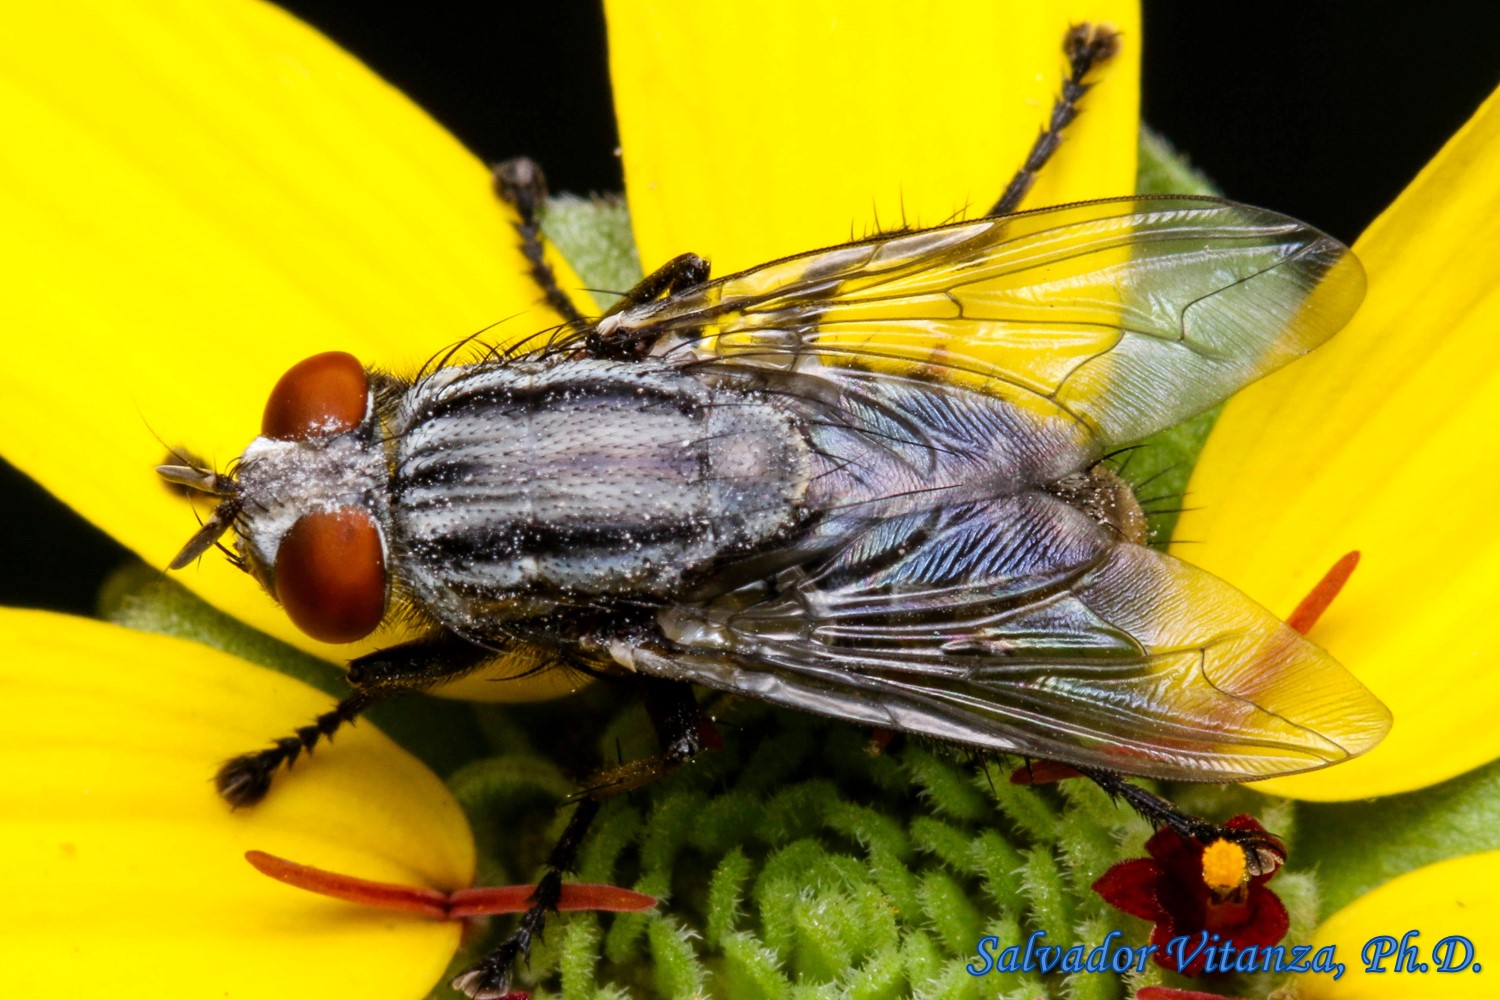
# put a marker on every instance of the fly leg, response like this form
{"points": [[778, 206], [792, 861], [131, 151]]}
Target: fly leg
{"points": [[675, 716], [412, 666], [1085, 46], [1264, 852], [683, 271], [520, 184]]}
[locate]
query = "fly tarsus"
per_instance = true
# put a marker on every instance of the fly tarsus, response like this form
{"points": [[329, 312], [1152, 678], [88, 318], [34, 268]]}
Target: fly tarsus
{"points": [[521, 184], [1086, 46], [1264, 852], [489, 978], [245, 780], [412, 666], [675, 716]]}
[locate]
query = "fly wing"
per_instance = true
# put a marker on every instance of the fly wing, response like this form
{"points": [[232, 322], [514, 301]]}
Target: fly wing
{"points": [[1021, 625], [1103, 322]]}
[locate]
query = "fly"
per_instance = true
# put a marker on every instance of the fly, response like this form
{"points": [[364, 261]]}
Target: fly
{"points": [[866, 481]]}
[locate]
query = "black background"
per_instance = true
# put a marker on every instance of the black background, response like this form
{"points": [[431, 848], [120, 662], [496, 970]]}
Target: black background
{"points": [[1321, 110]]}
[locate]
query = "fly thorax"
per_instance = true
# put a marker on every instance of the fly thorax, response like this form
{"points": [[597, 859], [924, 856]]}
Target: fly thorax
{"points": [[524, 486], [280, 481]]}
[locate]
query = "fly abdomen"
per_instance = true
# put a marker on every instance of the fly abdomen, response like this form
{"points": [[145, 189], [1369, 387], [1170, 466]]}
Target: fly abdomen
{"points": [[522, 486]]}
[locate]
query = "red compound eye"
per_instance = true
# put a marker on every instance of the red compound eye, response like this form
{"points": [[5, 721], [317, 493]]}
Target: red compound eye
{"points": [[330, 574], [320, 396]]}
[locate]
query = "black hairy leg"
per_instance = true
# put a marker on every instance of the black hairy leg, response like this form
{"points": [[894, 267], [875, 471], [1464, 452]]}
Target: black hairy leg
{"points": [[683, 271], [676, 718], [412, 666], [521, 184], [1264, 852], [1085, 46]]}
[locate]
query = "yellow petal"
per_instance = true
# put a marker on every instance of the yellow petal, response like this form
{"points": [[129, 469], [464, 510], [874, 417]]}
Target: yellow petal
{"points": [[1460, 896], [126, 872], [195, 197], [752, 131], [1384, 441]]}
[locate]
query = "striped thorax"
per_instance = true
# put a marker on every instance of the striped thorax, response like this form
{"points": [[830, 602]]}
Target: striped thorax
{"points": [[521, 487]]}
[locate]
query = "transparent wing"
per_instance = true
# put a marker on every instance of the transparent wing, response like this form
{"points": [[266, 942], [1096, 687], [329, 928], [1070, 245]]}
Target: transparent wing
{"points": [[1019, 624], [1103, 321]]}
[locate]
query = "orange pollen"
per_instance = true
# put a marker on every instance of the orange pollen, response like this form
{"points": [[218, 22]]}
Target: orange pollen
{"points": [[1224, 869]]}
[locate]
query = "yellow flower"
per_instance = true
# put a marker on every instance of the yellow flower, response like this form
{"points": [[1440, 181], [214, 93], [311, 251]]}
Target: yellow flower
{"points": [[1427, 933], [125, 872], [847, 114], [1384, 442], [195, 197]]}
